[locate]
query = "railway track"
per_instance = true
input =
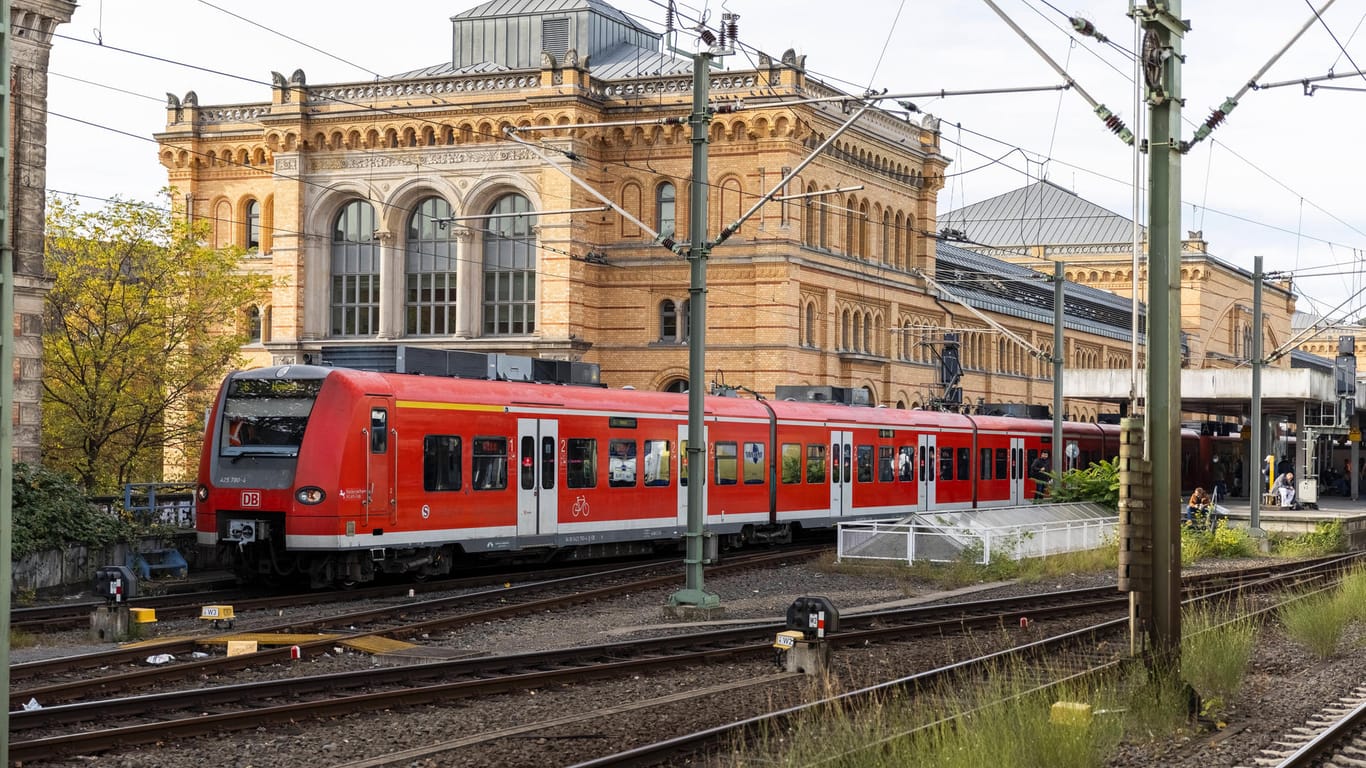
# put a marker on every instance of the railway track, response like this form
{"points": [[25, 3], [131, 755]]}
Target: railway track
{"points": [[1336, 736], [402, 620], [384, 688]]}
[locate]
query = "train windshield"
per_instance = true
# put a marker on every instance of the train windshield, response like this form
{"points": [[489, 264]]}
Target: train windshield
{"points": [[263, 417]]}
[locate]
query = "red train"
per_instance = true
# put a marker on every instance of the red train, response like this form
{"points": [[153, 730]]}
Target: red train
{"points": [[338, 475]]}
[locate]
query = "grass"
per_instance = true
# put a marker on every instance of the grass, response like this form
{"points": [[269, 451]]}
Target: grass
{"points": [[1217, 642], [1002, 723], [967, 571], [1318, 620], [21, 639], [1328, 537]]}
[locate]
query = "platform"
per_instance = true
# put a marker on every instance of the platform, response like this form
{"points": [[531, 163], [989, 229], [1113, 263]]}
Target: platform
{"points": [[1351, 513]]}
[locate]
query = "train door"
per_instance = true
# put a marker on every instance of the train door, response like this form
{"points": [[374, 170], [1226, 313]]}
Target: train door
{"points": [[381, 469], [1018, 481], [928, 472], [537, 474], [683, 477], [841, 473]]}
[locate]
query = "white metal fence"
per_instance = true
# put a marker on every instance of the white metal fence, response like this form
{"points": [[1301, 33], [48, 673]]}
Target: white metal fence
{"points": [[941, 543]]}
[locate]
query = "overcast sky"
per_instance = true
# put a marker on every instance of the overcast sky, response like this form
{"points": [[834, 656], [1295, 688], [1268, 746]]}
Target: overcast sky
{"points": [[1281, 178]]}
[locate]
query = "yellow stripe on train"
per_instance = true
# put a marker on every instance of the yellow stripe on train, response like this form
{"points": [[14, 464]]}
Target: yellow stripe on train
{"points": [[450, 406]]}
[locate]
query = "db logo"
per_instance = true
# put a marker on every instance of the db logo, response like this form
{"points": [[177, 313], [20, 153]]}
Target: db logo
{"points": [[251, 498]]}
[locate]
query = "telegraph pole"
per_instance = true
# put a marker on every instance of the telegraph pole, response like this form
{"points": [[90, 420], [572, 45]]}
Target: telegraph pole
{"points": [[693, 594], [1058, 317], [1254, 478], [1161, 61]]}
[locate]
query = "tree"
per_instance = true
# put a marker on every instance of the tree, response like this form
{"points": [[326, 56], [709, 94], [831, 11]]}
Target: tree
{"points": [[140, 325]]}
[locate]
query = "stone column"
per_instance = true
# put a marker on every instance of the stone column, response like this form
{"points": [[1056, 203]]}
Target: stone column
{"points": [[468, 277], [390, 287], [32, 23]]}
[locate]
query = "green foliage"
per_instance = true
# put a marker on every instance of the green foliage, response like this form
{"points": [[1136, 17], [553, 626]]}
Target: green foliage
{"points": [[1317, 620], [1223, 541], [50, 511], [1098, 482], [134, 338], [1327, 538], [1216, 646]]}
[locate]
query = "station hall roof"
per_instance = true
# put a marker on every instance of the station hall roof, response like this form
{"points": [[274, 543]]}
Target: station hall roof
{"points": [[1041, 213]]}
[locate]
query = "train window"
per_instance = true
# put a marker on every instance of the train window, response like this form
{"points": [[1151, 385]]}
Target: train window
{"points": [[945, 463], [754, 463], [815, 463], [865, 463], [1029, 460], [1002, 463], [835, 463], [581, 457], [621, 463], [683, 462], [848, 457], [984, 466], [489, 463], [964, 463], [656, 462], [441, 463], [726, 463], [905, 464], [792, 462], [926, 456], [379, 430], [884, 464], [547, 463], [527, 457]]}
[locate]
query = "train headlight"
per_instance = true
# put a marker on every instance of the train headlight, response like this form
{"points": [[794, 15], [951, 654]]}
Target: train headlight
{"points": [[202, 492], [310, 495]]}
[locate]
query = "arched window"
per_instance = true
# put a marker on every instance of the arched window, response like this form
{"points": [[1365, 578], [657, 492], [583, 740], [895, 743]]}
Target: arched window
{"points": [[430, 269], [254, 325], [869, 345], [355, 271], [676, 385], [811, 324], [253, 225], [685, 322], [668, 321], [510, 268], [666, 208]]}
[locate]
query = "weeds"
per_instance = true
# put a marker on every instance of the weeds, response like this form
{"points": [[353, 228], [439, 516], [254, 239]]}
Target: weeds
{"points": [[1317, 621]]}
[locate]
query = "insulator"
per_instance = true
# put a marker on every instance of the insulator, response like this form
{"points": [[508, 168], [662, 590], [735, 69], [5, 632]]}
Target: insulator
{"points": [[721, 40], [1215, 119], [1115, 124], [734, 29], [669, 18]]}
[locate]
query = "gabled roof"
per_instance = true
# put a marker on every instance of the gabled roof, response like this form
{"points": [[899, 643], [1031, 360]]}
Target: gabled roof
{"points": [[1039, 214]]}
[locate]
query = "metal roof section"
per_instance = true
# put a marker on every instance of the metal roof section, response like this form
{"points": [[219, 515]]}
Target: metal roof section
{"points": [[446, 68], [1039, 214], [506, 8], [624, 61], [1016, 291], [516, 34]]}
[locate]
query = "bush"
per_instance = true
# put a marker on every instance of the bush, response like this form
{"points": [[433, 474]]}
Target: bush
{"points": [[1098, 482], [1327, 538], [1223, 541], [51, 511]]}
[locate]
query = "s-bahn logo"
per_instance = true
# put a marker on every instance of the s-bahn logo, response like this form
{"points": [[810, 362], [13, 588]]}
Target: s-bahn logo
{"points": [[251, 498]]}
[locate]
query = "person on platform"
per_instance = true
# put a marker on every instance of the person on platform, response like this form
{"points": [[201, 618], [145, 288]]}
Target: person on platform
{"points": [[1038, 472], [1285, 488], [1197, 507]]}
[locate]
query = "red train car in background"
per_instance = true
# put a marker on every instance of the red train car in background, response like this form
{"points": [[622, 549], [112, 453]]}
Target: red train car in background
{"points": [[335, 475]]}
